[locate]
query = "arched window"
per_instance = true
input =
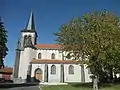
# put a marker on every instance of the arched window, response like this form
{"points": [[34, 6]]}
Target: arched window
{"points": [[39, 56], [29, 38], [24, 40], [53, 56], [25, 36], [71, 69], [53, 69]]}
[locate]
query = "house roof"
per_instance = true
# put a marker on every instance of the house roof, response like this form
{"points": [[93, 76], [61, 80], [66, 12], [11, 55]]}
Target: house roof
{"points": [[47, 46], [53, 61], [6, 70]]}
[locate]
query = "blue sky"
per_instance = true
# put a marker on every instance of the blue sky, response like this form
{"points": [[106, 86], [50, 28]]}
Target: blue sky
{"points": [[49, 15]]}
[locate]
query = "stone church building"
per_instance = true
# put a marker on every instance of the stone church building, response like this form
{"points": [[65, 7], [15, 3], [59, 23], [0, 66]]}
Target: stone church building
{"points": [[43, 62]]}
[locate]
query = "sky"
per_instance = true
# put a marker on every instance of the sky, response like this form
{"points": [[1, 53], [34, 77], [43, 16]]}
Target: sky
{"points": [[49, 15]]}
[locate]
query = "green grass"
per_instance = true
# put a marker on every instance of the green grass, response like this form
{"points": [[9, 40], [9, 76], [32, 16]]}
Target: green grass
{"points": [[64, 87], [80, 87]]}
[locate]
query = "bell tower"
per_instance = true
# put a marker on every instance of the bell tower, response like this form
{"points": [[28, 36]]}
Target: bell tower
{"points": [[25, 48], [29, 32]]}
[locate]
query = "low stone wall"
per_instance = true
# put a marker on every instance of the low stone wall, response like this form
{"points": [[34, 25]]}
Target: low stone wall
{"points": [[46, 83], [18, 80]]}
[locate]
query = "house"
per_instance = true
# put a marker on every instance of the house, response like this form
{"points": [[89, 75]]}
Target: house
{"points": [[6, 73]]}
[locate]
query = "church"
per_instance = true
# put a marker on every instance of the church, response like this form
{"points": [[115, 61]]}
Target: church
{"points": [[44, 62]]}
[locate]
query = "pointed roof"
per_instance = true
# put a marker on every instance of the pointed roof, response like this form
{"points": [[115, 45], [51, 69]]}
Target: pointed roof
{"points": [[30, 24]]}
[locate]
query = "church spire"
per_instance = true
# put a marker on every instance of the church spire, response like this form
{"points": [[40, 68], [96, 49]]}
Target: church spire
{"points": [[30, 24]]}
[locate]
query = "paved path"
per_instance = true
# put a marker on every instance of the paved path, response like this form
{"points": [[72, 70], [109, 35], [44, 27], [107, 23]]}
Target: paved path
{"points": [[37, 87]]}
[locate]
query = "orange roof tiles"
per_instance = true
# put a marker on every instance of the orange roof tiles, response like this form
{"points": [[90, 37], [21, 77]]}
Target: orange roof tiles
{"points": [[47, 46], [53, 61], [6, 70]]}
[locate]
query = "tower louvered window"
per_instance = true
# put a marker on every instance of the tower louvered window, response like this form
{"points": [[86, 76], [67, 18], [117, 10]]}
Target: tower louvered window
{"points": [[25, 40]]}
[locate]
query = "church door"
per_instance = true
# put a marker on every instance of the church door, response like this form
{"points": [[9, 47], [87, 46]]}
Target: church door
{"points": [[38, 74]]}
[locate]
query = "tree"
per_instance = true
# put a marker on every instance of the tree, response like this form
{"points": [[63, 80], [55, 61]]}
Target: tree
{"points": [[102, 38], [71, 39], [93, 35], [3, 41], [112, 64]]}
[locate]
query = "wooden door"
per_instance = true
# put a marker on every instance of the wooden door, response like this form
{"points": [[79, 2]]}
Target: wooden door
{"points": [[38, 76]]}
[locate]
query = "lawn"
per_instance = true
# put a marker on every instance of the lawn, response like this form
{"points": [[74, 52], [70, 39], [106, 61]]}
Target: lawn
{"points": [[80, 87]]}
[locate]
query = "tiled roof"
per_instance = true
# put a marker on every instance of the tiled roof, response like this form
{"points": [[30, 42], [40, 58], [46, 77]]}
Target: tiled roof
{"points": [[53, 61], [6, 70], [47, 46]]}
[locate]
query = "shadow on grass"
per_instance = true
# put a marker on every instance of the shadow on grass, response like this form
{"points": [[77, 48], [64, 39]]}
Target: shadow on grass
{"points": [[103, 85], [31, 81], [83, 85], [11, 85], [90, 85]]}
